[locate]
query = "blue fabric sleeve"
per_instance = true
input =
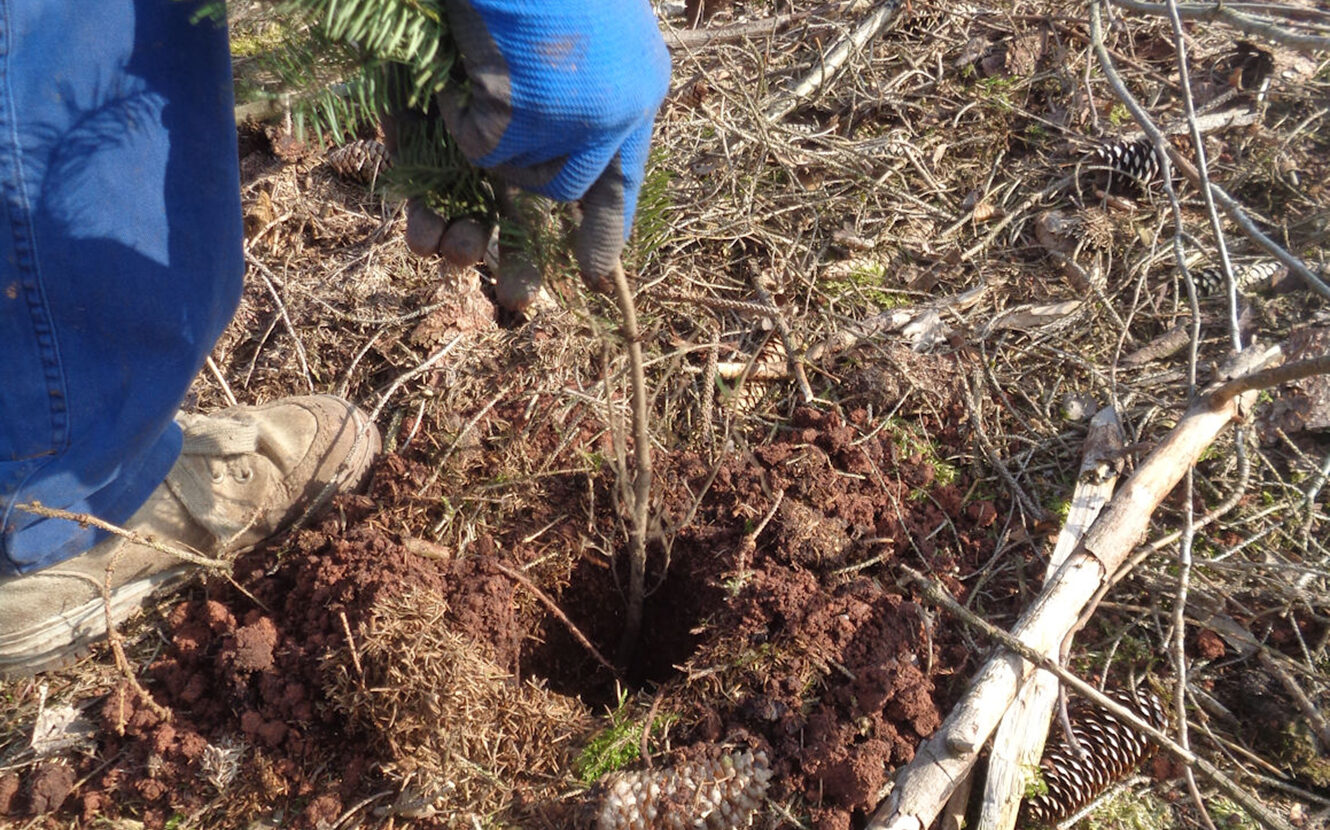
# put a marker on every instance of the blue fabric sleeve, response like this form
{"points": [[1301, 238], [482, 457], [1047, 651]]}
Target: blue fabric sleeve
{"points": [[120, 253]]}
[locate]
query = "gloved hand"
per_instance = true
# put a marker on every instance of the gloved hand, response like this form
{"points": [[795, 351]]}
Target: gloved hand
{"points": [[560, 100]]}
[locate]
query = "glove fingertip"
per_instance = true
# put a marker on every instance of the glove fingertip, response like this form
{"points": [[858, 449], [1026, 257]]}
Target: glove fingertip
{"points": [[599, 242], [517, 284], [424, 228], [464, 242]]}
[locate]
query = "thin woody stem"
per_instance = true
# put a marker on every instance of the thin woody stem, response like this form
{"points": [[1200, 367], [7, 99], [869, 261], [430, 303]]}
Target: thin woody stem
{"points": [[641, 505]]}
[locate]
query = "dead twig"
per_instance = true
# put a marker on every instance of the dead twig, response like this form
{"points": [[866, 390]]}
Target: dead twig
{"points": [[554, 609], [1265, 27], [877, 21], [221, 381], [351, 646], [193, 557], [1030, 506], [787, 340], [642, 747], [118, 650], [270, 280], [1203, 175]]}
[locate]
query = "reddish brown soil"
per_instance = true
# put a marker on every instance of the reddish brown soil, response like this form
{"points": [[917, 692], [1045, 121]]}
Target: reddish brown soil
{"points": [[844, 686]]}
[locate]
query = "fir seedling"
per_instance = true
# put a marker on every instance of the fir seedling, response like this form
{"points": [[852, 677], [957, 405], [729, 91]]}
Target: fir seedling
{"points": [[614, 747], [345, 65]]}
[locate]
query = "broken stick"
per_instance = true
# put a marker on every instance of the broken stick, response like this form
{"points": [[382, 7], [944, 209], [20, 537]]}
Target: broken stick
{"points": [[1019, 740], [923, 785]]}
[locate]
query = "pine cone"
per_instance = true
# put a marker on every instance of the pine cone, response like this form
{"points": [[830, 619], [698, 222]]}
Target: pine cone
{"points": [[1112, 749], [770, 365], [1255, 277], [1129, 164], [360, 161], [1096, 228], [712, 794], [1259, 275]]}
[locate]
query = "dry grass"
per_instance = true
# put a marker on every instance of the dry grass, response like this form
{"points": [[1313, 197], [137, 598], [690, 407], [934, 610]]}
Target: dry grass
{"points": [[460, 734]]}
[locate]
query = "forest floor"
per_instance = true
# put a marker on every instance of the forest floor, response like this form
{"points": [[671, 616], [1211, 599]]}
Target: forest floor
{"points": [[426, 654]]}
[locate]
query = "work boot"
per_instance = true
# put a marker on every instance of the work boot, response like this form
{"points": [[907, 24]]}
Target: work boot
{"points": [[245, 475]]}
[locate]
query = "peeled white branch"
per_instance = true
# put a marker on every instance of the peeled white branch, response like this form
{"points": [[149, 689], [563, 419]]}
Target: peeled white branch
{"points": [[923, 786], [1019, 740], [877, 20]]}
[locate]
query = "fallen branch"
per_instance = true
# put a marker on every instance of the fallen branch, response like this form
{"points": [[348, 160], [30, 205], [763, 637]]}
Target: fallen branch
{"points": [[877, 21], [1251, 24], [924, 785], [1019, 740], [1267, 378], [698, 38], [1230, 787]]}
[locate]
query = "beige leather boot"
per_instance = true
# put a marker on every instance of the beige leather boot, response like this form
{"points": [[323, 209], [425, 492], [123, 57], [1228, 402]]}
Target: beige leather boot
{"points": [[246, 474]]}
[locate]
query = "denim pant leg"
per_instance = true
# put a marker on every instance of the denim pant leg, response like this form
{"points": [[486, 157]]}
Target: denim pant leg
{"points": [[120, 253]]}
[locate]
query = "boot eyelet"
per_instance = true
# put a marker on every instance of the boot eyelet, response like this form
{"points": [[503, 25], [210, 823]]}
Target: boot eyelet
{"points": [[243, 475]]}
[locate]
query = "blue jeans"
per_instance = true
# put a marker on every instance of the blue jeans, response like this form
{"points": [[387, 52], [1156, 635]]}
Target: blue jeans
{"points": [[120, 253]]}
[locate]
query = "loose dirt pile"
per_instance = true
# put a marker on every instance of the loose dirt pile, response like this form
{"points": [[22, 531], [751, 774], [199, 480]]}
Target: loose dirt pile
{"points": [[356, 658]]}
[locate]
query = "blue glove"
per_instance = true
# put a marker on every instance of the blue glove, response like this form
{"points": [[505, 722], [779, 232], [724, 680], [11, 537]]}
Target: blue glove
{"points": [[560, 100]]}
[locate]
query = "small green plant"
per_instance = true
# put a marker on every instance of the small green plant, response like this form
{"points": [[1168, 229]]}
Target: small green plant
{"points": [[655, 209], [1129, 810], [1210, 453], [1035, 783], [998, 90], [1060, 508], [266, 38], [594, 459], [614, 747], [910, 443], [1119, 115], [1229, 816], [617, 745], [865, 279]]}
